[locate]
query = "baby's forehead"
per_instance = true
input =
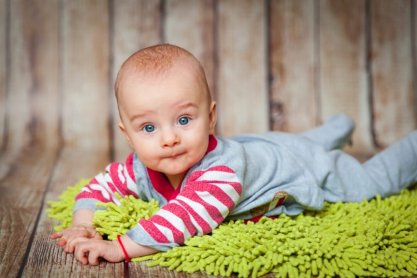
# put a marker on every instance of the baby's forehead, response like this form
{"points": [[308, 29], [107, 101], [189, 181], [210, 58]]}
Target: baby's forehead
{"points": [[179, 68], [154, 69], [187, 75]]}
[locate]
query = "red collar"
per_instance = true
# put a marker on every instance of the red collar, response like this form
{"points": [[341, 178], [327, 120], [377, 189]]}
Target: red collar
{"points": [[212, 143]]}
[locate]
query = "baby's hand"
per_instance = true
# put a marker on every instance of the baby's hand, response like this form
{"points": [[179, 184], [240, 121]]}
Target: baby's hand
{"points": [[67, 238], [88, 251]]}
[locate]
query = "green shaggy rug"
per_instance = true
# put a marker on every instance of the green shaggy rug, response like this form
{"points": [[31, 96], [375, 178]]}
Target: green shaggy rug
{"points": [[372, 238]]}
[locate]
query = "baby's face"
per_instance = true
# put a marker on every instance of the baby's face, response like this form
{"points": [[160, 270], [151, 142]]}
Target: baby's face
{"points": [[167, 120]]}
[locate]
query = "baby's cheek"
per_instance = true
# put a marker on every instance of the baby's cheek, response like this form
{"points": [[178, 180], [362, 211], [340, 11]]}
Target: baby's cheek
{"points": [[149, 158], [196, 156], [143, 153]]}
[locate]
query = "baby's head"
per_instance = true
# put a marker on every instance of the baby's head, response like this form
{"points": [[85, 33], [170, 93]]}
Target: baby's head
{"points": [[157, 61], [166, 109]]}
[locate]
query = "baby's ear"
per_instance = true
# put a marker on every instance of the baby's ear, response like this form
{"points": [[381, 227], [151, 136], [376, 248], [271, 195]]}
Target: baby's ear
{"points": [[212, 117], [124, 132]]}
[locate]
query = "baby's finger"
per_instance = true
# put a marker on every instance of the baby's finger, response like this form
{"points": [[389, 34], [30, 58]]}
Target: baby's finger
{"points": [[93, 258], [71, 244], [62, 242], [83, 258], [81, 253], [56, 235]]}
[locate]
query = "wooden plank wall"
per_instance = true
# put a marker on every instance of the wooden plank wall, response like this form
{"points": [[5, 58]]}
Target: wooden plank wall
{"points": [[271, 64], [287, 64]]}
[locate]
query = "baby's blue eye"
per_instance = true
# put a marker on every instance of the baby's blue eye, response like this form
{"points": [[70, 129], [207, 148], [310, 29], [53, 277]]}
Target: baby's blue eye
{"points": [[183, 120], [149, 128]]}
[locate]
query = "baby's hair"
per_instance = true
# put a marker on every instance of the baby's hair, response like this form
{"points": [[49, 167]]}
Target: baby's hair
{"points": [[155, 60]]}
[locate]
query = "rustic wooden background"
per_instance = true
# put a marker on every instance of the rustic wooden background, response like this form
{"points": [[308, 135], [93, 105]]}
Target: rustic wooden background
{"points": [[271, 64]]}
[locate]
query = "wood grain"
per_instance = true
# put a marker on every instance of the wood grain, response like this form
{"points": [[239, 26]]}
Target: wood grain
{"points": [[22, 192], [85, 76], [394, 97], [344, 84], [180, 15], [136, 25], [3, 70], [32, 99], [242, 90], [294, 102], [414, 49], [45, 258]]}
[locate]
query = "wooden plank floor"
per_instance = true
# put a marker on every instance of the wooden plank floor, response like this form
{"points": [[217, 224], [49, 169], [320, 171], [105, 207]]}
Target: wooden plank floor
{"points": [[28, 181]]}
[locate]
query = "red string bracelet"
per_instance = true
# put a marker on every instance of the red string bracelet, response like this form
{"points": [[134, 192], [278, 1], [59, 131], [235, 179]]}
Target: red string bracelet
{"points": [[127, 258]]}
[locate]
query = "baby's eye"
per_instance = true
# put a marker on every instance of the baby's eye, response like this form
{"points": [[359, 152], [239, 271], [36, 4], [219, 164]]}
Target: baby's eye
{"points": [[149, 128], [184, 120]]}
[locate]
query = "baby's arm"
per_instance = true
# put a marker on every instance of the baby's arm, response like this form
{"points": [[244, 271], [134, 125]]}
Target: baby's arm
{"points": [[202, 205], [89, 251], [205, 201], [118, 178]]}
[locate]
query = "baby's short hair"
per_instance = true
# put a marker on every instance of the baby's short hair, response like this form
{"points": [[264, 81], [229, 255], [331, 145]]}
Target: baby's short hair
{"points": [[155, 59]]}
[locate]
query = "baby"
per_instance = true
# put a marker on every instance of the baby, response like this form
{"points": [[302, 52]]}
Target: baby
{"points": [[168, 117]]}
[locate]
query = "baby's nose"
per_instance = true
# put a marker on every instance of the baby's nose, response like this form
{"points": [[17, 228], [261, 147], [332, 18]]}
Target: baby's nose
{"points": [[169, 139]]}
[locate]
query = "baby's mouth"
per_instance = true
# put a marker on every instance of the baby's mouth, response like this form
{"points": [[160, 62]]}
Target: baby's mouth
{"points": [[175, 154]]}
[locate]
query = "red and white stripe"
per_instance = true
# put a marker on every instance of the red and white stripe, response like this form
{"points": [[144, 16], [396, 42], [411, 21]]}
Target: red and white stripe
{"points": [[204, 202], [118, 178], [201, 206]]}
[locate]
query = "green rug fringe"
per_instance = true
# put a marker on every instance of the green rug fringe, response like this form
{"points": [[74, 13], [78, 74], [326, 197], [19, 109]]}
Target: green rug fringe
{"points": [[372, 238], [61, 210], [111, 220], [117, 220]]}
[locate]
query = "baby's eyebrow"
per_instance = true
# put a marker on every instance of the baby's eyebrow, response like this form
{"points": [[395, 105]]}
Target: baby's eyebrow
{"points": [[181, 105], [187, 105], [140, 115]]}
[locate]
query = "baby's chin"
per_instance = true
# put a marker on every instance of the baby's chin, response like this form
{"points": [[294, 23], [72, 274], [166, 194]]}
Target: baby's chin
{"points": [[175, 171], [178, 165]]}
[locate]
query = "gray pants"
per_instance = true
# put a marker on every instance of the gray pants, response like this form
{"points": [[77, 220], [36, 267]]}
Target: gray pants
{"points": [[386, 173]]}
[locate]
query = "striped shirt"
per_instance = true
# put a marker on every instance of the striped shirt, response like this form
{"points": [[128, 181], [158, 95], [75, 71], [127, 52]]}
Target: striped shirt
{"points": [[204, 199], [239, 178]]}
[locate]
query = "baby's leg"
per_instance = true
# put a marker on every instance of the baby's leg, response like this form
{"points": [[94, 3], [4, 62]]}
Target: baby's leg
{"points": [[385, 174], [333, 134], [395, 168]]}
